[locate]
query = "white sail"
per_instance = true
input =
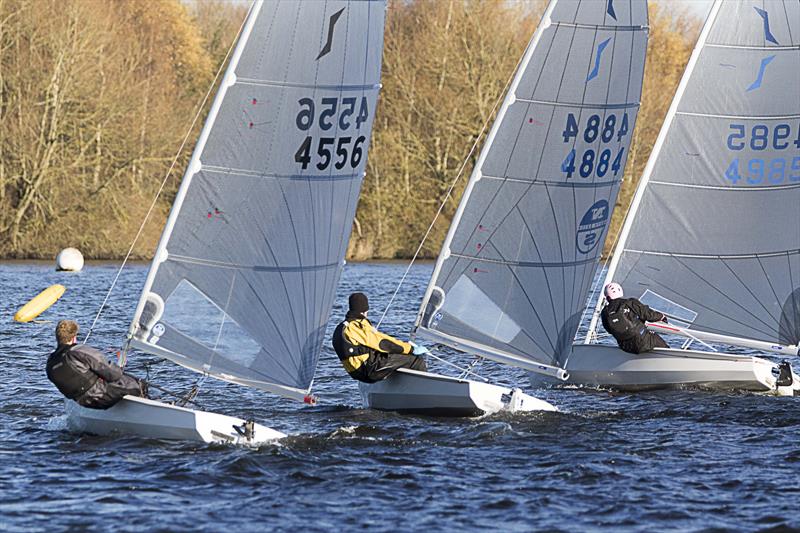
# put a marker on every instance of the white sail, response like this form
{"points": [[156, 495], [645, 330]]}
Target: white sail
{"points": [[523, 247], [243, 280], [713, 235]]}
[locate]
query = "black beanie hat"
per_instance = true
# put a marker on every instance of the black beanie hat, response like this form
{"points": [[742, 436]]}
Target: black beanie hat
{"points": [[358, 302]]}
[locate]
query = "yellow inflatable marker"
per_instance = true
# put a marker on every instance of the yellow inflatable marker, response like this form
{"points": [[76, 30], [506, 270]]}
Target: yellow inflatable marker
{"points": [[39, 303]]}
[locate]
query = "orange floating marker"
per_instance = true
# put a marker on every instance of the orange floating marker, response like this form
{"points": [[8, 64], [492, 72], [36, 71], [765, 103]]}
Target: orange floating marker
{"points": [[39, 303]]}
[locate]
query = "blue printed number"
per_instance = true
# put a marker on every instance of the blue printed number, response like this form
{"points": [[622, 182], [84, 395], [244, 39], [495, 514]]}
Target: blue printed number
{"points": [[795, 175], [738, 133], [760, 137], [571, 129], [756, 169], [595, 127], [771, 171], [568, 165], [618, 161], [732, 173], [623, 128], [587, 163], [782, 131]]}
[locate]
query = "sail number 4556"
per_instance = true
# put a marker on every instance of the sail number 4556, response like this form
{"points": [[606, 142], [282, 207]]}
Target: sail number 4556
{"points": [[333, 112]]}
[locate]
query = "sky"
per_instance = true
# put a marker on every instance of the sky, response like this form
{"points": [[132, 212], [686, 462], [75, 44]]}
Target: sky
{"points": [[697, 7]]}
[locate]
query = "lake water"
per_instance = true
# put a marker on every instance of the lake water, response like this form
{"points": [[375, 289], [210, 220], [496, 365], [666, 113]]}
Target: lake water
{"points": [[664, 461]]}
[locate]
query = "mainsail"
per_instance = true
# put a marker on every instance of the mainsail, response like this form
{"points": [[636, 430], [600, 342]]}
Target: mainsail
{"points": [[243, 280], [511, 280], [713, 234]]}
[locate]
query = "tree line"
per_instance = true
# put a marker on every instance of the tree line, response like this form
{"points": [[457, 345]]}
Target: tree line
{"points": [[96, 97]]}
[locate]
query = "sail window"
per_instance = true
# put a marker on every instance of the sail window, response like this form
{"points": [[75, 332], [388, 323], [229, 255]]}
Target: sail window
{"points": [[677, 313], [192, 313], [469, 304]]}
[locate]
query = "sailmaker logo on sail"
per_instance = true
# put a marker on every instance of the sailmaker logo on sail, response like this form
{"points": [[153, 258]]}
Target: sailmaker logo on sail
{"points": [[591, 227]]}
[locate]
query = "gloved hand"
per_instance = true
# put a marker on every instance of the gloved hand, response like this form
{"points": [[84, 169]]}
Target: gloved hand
{"points": [[419, 349]]}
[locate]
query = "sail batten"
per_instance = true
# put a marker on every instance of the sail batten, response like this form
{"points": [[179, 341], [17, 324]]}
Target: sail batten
{"points": [[243, 281], [714, 229], [523, 246]]}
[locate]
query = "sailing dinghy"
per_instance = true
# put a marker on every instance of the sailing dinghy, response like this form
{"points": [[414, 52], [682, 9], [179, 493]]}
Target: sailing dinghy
{"points": [[243, 279], [511, 280], [712, 238]]}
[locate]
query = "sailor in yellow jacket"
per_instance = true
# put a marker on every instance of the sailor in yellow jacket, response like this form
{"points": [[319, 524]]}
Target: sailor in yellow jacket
{"points": [[367, 354]]}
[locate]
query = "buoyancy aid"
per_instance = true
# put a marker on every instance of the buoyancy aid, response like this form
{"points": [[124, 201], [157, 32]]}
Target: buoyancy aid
{"points": [[71, 382], [622, 323], [351, 355]]}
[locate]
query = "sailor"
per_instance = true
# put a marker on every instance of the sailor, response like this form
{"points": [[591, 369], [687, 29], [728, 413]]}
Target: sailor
{"points": [[625, 319], [367, 354], [83, 374]]}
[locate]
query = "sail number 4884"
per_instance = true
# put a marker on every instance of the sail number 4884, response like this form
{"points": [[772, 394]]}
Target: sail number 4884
{"points": [[341, 151], [591, 162]]}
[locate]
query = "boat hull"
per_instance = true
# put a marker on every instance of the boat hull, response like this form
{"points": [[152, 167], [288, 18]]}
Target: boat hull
{"points": [[596, 365], [157, 420], [411, 391]]}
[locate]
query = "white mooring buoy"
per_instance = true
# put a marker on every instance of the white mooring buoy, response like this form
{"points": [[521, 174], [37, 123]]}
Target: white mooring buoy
{"points": [[70, 260]]}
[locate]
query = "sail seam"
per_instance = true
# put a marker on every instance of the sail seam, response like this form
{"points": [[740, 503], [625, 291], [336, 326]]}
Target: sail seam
{"points": [[256, 268], [553, 183], [715, 256], [724, 188], [256, 174], [753, 47], [628, 105], [542, 264], [745, 117], [599, 26], [268, 83]]}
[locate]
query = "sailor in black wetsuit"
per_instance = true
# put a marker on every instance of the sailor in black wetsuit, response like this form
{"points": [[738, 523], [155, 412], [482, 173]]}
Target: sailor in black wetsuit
{"points": [[367, 354], [624, 318], [83, 374]]}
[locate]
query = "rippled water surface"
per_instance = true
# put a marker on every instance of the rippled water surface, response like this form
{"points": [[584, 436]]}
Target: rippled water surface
{"points": [[668, 460]]}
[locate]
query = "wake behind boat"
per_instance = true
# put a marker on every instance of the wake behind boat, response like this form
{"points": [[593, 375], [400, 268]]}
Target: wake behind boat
{"points": [[242, 282], [711, 239]]}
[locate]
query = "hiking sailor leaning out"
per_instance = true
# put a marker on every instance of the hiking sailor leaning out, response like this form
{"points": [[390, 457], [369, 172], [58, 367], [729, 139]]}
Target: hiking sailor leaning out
{"points": [[367, 354], [625, 319], [83, 374]]}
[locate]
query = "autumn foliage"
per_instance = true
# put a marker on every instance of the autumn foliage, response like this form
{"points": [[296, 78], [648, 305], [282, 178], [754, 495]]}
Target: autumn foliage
{"points": [[96, 97]]}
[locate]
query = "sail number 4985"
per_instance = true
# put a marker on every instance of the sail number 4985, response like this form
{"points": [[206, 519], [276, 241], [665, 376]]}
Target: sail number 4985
{"points": [[340, 112], [760, 170]]}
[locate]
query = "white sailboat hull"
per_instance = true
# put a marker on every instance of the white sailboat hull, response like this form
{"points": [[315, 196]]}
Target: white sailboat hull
{"points": [[411, 391], [157, 420], [596, 365]]}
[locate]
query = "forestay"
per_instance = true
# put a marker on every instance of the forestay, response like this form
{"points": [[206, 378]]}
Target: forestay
{"points": [[511, 280], [243, 280], [713, 235]]}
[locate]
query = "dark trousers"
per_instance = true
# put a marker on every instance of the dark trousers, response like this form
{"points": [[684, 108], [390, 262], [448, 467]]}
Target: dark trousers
{"points": [[379, 367], [110, 392], [646, 343]]}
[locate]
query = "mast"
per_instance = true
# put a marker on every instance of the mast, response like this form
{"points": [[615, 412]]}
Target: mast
{"points": [[195, 164], [648, 169], [510, 98]]}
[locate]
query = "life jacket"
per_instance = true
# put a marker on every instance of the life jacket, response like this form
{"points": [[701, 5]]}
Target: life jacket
{"points": [[351, 355], [622, 323], [71, 382]]}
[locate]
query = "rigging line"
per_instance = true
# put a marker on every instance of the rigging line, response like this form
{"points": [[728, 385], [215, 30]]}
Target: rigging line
{"points": [[597, 280], [449, 192], [523, 194], [465, 371], [168, 174]]}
